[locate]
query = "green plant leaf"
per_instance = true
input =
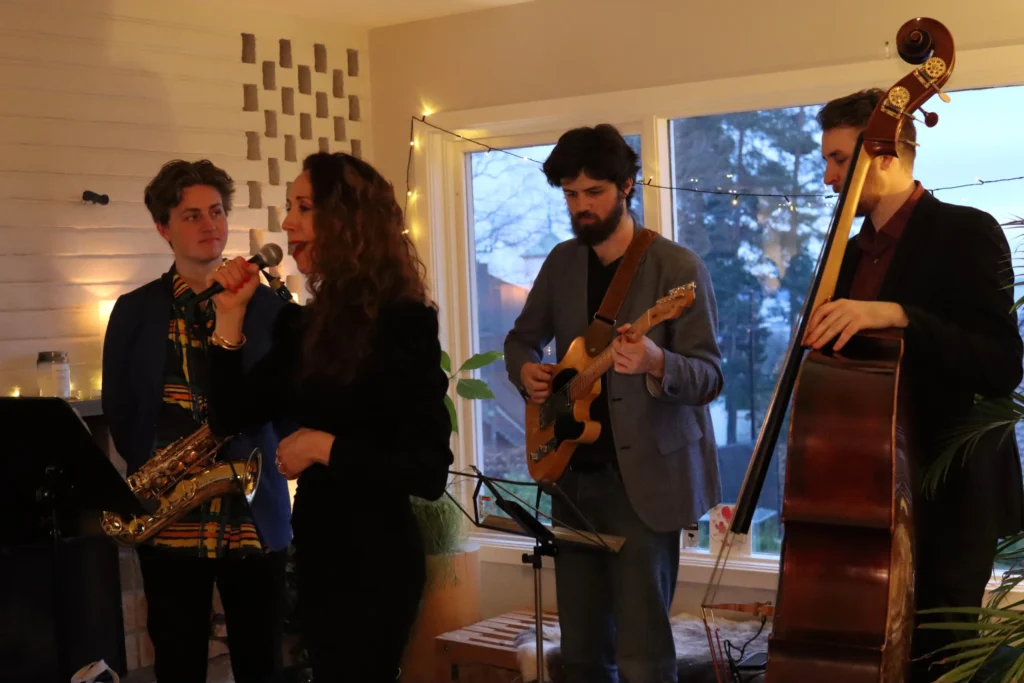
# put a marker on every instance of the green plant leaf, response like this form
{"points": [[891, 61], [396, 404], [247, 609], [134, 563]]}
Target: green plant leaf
{"points": [[451, 412], [473, 389], [446, 362], [986, 415], [481, 360]]}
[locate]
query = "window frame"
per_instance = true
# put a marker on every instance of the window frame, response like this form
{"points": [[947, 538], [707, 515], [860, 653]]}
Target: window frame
{"points": [[440, 217]]}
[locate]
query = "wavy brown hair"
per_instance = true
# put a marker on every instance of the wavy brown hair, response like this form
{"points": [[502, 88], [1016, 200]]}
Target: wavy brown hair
{"points": [[362, 261]]}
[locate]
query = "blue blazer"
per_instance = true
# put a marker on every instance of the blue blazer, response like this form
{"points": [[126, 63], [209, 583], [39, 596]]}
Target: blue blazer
{"points": [[134, 352]]}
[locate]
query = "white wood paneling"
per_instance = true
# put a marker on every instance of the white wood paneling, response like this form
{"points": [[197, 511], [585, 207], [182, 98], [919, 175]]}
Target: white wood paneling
{"points": [[98, 97], [97, 242], [96, 160], [168, 140], [58, 214], [62, 295]]}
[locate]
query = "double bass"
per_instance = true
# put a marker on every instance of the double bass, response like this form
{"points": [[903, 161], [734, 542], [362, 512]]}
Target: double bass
{"points": [[844, 609]]}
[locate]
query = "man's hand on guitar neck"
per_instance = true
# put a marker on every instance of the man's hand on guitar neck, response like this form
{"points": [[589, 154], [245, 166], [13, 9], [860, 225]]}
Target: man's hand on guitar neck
{"points": [[637, 356], [536, 379]]}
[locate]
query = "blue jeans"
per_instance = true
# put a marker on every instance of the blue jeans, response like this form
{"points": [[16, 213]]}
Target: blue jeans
{"points": [[614, 607]]}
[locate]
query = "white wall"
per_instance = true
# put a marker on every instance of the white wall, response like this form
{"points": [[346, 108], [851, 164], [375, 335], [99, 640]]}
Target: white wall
{"points": [[562, 48], [97, 95]]}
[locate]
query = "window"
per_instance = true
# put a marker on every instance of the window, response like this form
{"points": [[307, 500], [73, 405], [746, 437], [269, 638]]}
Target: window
{"points": [[760, 252], [516, 219]]}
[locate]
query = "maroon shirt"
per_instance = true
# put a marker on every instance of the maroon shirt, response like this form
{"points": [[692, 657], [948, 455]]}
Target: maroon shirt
{"points": [[877, 248]]}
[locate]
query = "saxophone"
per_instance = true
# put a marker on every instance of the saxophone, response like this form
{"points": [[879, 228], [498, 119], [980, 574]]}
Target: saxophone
{"points": [[177, 479]]}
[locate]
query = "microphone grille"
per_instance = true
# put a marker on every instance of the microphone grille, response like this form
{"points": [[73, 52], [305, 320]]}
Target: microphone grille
{"points": [[272, 254]]}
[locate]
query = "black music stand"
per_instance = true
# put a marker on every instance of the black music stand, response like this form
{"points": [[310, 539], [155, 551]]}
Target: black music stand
{"points": [[54, 473], [546, 540]]}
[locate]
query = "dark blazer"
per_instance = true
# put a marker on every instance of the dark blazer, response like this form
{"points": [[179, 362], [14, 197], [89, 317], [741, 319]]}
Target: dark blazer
{"points": [[391, 427], [664, 436], [951, 273], [134, 353]]}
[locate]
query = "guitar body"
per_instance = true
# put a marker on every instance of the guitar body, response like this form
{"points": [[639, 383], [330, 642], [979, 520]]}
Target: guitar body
{"points": [[554, 428], [845, 609]]}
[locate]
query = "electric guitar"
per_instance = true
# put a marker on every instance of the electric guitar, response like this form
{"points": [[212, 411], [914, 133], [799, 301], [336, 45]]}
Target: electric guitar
{"points": [[555, 427]]}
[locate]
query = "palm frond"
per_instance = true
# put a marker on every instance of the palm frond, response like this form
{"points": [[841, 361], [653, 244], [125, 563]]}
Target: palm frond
{"points": [[987, 415], [996, 651]]}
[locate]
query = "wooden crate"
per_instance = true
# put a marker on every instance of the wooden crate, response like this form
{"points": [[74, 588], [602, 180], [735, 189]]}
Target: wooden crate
{"points": [[484, 652]]}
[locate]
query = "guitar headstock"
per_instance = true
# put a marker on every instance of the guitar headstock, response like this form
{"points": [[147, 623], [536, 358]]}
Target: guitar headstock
{"points": [[672, 306]]}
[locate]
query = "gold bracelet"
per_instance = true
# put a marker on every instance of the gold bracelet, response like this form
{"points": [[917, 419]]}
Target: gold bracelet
{"points": [[225, 344]]}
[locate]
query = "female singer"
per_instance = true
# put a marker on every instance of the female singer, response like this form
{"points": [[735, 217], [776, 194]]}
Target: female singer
{"points": [[359, 370]]}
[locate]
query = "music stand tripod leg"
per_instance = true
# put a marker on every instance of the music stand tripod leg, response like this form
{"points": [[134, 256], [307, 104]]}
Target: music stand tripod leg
{"points": [[536, 559]]}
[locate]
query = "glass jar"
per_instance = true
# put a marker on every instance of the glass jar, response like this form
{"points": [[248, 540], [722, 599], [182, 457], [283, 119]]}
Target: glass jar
{"points": [[53, 374]]}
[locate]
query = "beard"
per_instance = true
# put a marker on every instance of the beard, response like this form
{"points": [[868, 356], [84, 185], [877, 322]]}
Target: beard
{"points": [[596, 232]]}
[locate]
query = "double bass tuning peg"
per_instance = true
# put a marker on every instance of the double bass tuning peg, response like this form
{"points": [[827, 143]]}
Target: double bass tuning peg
{"points": [[930, 118]]}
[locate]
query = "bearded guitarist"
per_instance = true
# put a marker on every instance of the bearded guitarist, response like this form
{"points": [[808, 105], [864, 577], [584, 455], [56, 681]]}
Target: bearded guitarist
{"points": [[654, 467]]}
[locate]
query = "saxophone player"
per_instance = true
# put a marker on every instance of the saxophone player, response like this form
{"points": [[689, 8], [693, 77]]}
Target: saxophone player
{"points": [[154, 392]]}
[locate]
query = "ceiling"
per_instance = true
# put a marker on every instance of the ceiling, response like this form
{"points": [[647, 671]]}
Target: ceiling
{"points": [[375, 13]]}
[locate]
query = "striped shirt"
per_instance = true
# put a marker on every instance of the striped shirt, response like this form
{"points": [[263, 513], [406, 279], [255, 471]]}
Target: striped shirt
{"points": [[221, 526]]}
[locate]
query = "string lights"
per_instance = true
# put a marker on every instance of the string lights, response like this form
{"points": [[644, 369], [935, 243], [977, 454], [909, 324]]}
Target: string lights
{"points": [[734, 193]]}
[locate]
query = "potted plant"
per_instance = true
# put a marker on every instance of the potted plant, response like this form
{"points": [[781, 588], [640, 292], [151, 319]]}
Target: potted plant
{"points": [[451, 597]]}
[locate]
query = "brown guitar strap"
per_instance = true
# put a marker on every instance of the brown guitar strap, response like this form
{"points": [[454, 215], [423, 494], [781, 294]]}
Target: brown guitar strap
{"points": [[602, 328]]}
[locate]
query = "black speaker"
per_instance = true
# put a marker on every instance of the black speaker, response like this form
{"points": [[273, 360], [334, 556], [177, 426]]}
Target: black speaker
{"points": [[60, 608]]}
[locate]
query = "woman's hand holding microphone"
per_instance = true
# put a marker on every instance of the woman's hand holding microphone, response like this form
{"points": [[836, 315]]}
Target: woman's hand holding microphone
{"points": [[239, 278]]}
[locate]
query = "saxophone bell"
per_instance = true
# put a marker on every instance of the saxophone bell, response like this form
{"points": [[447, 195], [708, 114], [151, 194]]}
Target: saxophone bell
{"points": [[178, 479]]}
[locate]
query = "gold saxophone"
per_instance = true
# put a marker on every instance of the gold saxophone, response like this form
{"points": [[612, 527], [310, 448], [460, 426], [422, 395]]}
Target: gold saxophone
{"points": [[177, 479]]}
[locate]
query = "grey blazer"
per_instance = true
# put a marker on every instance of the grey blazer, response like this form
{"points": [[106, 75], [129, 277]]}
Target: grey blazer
{"points": [[664, 437]]}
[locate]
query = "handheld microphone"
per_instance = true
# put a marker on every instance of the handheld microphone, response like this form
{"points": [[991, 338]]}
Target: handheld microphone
{"points": [[269, 256]]}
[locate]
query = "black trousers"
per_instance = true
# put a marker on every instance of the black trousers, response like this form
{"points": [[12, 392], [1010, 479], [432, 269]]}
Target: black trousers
{"points": [[179, 593], [356, 611], [953, 570]]}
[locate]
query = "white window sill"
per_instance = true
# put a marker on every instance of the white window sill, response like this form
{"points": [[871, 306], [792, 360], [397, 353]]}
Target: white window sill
{"points": [[695, 566], [756, 571]]}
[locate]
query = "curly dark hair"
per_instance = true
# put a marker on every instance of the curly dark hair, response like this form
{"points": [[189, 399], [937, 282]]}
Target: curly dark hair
{"points": [[362, 260], [601, 152], [164, 192], [855, 111]]}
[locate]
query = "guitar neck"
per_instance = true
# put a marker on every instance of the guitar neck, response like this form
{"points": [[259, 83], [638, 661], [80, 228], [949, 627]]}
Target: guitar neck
{"points": [[602, 362]]}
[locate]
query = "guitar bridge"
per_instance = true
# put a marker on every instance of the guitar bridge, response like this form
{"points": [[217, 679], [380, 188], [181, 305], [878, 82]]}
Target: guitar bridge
{"points": [[539, 454]]}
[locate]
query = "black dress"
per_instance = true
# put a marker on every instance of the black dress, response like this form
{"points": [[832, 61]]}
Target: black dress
{"points": [[360, 561]]}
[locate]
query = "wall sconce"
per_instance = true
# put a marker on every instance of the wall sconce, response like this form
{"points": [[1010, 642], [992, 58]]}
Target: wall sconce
{"points": [[104, 308], [90, 196]]}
